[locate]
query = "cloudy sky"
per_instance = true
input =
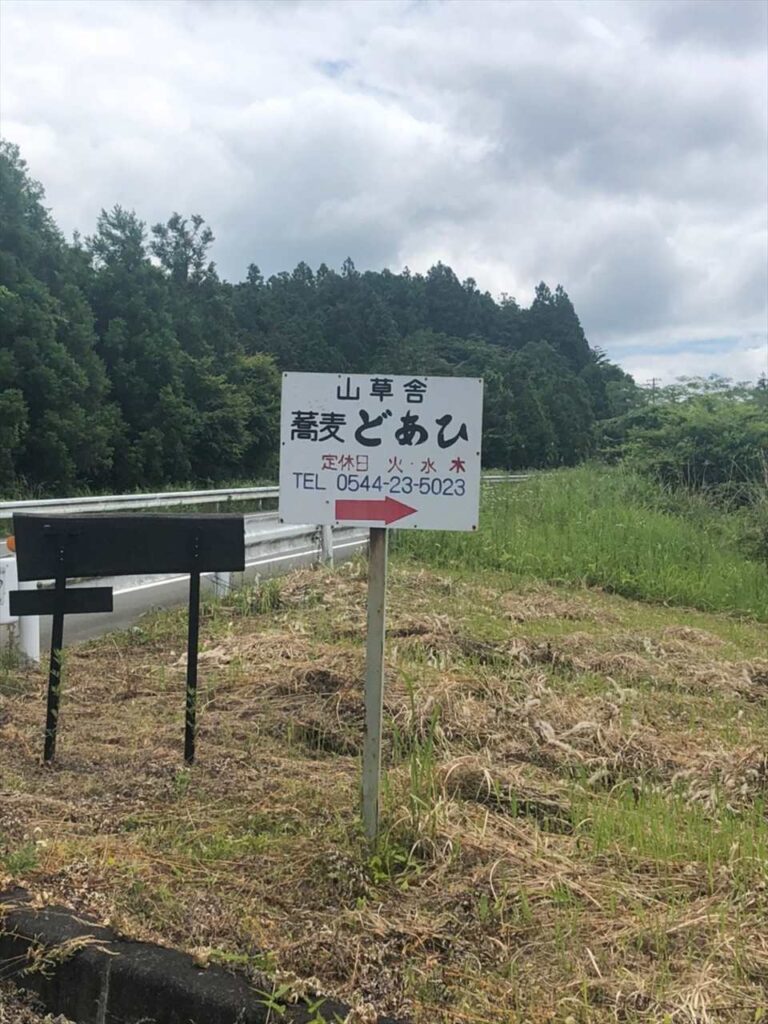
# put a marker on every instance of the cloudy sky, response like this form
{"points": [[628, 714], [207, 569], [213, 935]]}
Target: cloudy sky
{"points": [[619, 148]]}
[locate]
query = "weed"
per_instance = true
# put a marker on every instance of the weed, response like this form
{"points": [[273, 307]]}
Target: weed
{"points": [[181, 782], [674, 831], [260, 598], [44, 960], [22, 860], [260, 962]]}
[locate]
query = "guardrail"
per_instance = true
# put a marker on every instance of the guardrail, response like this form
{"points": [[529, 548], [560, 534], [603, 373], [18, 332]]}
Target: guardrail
{"points": [[168, 499], [271, 547], [118, 502]]}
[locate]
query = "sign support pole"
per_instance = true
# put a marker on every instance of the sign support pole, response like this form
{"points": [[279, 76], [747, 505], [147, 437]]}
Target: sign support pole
{"points": [[374, 678], [193, 635], [192, 641], [54, 672], [326, 545]]}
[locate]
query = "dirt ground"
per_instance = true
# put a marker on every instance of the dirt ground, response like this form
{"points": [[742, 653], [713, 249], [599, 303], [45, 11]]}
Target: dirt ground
{"points": [[574, 821]]}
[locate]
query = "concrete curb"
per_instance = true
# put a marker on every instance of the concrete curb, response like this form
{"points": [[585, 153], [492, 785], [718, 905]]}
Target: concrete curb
{"points": [[85, 971]]}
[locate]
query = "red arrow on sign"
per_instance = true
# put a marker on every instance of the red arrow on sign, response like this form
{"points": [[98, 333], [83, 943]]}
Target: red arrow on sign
{"points": [[387, 511]]}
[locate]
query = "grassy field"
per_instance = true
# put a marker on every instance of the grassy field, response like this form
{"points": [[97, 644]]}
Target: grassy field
{"points": [[607, 527], [574, 819]]}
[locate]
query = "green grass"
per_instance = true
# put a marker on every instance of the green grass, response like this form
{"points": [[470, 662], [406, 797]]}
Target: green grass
{"points": [[608, 528], [18, 861], [672, 830]]}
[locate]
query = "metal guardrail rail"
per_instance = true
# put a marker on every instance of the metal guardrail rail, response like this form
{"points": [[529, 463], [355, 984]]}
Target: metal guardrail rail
{"points": [[167, 499], [117, 502], [271, 547]]}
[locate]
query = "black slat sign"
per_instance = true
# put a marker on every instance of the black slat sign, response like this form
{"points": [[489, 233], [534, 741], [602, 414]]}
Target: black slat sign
{"points": [[102, 544], [77, 601]]}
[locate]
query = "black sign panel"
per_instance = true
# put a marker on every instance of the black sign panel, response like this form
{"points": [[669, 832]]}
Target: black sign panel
{"points": [[77, 601], [103, 544], [106, 544]]}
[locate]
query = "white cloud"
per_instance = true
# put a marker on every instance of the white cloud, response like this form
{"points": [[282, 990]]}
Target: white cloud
{"points": [[616, 147], [739, 363]]}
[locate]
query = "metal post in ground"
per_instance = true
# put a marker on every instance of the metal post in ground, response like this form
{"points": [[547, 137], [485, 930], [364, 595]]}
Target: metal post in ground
{"points": [[374, 679], [54, 671], [222, 583], [192, 641], [193, 636], [326, 545]]}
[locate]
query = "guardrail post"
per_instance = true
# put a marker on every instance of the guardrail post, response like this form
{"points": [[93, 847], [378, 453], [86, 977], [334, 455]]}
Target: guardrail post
{"points": [[24, 631], [29, 630], [222, 583], [326, 545]]}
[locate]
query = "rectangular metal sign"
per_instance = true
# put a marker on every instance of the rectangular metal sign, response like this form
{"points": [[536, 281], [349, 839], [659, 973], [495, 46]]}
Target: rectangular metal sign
{"points": [[127, 544], [77, 601], [389, 451]]}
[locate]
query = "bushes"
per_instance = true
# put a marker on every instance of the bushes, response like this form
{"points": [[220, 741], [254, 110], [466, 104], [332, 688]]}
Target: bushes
{"points": [[701, 435]]}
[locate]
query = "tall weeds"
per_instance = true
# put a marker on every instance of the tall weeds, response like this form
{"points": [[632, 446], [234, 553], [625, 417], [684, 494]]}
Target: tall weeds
{"points": [[609, 528]]}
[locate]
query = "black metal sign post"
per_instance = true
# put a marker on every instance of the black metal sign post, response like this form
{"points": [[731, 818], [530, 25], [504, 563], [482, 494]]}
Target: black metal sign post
{"points": [[54, 671], [58, 603], [119, 545], [193, 634]]}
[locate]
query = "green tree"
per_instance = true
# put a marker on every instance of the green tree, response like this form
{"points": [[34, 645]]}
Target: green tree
{"points": [[704, 434], [553, 319], [146, 364], [60, 424]]}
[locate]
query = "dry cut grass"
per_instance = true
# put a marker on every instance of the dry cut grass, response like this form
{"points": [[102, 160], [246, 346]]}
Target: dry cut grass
{"points": [[574, 823]]}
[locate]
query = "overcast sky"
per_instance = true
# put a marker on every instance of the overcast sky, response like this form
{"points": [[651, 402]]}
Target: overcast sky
{"points": [[618, 148]]}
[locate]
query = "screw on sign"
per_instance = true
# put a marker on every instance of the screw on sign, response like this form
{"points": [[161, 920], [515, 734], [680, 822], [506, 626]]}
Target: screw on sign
{"points": [[386, 452], [61, 547]]}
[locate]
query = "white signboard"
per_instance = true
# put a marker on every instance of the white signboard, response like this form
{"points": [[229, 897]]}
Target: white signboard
{"points": [[373, 450]]}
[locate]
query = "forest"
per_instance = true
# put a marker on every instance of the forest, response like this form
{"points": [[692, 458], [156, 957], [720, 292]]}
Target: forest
{"points": [[127, 363]]}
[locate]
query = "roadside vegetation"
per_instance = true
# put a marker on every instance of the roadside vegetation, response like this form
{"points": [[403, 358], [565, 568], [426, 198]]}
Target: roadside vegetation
{"points": [[614, 528], [676, 510], [574, 820]]}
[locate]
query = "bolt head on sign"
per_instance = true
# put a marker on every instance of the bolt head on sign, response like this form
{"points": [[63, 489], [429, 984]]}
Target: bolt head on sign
{"points": [[377, 450]]}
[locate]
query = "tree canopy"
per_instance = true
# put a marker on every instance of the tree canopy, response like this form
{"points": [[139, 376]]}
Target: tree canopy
{"points": [[127, 363]]}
